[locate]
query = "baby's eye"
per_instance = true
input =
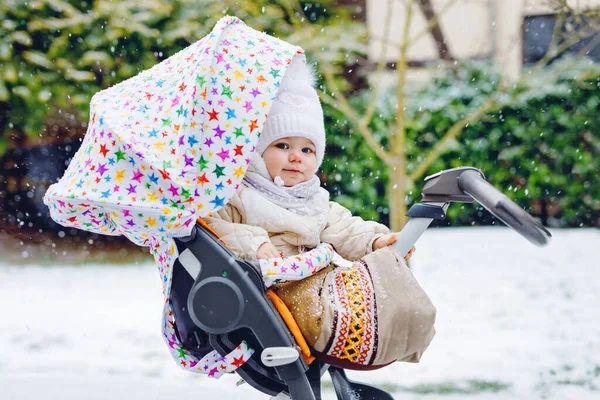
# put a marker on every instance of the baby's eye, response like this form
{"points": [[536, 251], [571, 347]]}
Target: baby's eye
{"points": [[307, 150], [283, 146]]}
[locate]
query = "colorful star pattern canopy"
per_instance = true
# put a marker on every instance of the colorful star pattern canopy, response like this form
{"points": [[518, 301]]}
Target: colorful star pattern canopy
{"points": [[171, 145]]}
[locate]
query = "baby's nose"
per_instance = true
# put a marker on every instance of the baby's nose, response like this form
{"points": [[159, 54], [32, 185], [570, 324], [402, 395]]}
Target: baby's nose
{"points": [[295, 156]]}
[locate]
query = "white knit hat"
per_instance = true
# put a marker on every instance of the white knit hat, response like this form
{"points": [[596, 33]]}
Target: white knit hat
{"points": [[296, 110]]}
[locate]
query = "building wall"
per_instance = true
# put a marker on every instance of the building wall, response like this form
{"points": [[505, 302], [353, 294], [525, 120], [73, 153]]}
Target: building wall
{"points": [[472, 28]]}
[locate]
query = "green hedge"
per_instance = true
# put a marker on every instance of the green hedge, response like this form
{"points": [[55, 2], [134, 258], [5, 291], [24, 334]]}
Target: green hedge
{"points": [[542, 148], [54, 55]]}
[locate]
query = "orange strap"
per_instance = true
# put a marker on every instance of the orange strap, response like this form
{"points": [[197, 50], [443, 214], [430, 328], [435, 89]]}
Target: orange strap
{"points": [[208, 228], [285, 313], [291, 324]]}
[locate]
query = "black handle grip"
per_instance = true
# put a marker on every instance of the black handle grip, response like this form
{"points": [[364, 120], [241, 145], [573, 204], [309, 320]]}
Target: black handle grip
{"points": [[503, 208]]}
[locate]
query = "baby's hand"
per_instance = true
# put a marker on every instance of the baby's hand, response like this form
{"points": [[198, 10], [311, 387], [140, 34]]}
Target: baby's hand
{"points": [[389, 239], [267, 250], [384, 240], [409, 254]]}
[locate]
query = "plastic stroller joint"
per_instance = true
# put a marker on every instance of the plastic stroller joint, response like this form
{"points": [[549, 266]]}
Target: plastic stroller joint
{"points": [[443, 187], [426, 211]]}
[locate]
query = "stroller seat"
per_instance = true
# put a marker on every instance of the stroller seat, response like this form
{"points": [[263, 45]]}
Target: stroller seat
{"points": [[219, 301]]}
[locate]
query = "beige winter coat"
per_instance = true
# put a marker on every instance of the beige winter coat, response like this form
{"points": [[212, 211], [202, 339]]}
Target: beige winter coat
{"points": [[249, 220], [396, 316]]}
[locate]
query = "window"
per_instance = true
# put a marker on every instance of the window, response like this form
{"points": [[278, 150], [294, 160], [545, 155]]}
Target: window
{"points": [[537, 35]]}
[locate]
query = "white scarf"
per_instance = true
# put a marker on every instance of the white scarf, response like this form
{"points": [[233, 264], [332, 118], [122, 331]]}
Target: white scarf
{"points": [[297, 199]]}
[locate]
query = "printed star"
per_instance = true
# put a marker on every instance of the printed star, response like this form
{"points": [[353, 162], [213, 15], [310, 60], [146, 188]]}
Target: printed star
{"points": [[237, 362], [103, 150], [137, 175], [248, 106], [253, 125], [202, 179], [165, 174], [131, 189], [120, 155], [219, 132], [238, 172], [174, 191], [150, 221], [188, 160], [203, 163], [230, 113], [224, 154], [238, 150], [219, 171], [120, 175], [200, 80], [274, 72], [159, 146], [218, 202], [255, 92], [213, 115], [238, 132], [192, 140], [226, 91], [153, 178], [101, 169], [181, 353]]}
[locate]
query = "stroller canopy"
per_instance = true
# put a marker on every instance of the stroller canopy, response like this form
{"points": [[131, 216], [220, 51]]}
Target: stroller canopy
{"points": [[173, 143]]}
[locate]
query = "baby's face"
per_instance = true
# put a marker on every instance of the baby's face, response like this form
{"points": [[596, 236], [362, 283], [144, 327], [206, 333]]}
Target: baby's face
{"points": [[291, 158]]}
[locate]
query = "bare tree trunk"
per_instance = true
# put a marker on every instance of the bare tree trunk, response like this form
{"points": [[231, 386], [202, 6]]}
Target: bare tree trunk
{"points": [[397, 183], [436, 30], [397, 198]]}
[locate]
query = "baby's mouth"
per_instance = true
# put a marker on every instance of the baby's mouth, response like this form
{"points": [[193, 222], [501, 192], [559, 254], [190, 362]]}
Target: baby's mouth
{"points": [[293, 171]]}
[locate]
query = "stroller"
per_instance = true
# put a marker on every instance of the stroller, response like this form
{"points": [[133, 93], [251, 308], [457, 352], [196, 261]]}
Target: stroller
{"points": [[206, 267], [181, 134]]}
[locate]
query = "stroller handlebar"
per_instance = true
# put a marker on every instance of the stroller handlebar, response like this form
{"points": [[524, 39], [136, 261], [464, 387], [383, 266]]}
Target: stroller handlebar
{"points": [[503, 208], [465, 185]]}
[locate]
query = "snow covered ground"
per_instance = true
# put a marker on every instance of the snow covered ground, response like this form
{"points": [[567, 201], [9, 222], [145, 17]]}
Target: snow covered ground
{"points": [[514, 322]]}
